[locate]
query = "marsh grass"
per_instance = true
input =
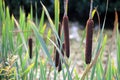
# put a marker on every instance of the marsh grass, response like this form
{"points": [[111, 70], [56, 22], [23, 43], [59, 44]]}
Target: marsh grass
{"points": [[15, 63]]}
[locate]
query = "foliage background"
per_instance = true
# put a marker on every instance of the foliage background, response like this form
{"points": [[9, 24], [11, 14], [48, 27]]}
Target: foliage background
{"points": [[78, 9]]}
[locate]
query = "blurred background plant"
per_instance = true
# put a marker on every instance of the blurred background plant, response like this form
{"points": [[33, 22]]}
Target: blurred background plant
{"points": [[75, 9]]}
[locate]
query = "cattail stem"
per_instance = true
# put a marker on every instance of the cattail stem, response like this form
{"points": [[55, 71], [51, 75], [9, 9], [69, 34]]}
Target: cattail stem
{"points": [[65, 7], [91, 8], [66, 35], [89, 30], [30, 47]]}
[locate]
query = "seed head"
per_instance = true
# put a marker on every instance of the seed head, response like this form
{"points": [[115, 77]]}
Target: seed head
{"points": [[89, 34], [57, 58], [66, 35], [60, 66], [30, 47]]}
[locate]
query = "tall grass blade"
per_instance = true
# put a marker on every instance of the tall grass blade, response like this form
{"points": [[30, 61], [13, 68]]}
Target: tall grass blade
{"points": [[51, 23], [118, 50], [43, 45], [28, 69], [99, 40], [57, 12], [41, 20], [22, 35]]}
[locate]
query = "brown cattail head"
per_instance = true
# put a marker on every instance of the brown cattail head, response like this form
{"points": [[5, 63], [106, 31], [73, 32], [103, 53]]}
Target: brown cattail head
{"points": [[63, 49], [66, 35], [30, 47], [60, 63], [89, 34], [57, 58], [59, 30], [60, 66]]}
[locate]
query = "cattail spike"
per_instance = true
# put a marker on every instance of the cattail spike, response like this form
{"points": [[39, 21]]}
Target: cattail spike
{"points": [[57, 54], [60, 67], [89, 30], [66, 35], [59, 30], [30, 47], [57, 58], [60, 63], [63, 48]]}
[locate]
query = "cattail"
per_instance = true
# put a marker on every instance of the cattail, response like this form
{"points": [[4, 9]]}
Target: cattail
{"points": [[30, 47], [63, 49], [60, 66], [66, 35], [60, 63], [56, 58], [89, 30], [57, 54]]}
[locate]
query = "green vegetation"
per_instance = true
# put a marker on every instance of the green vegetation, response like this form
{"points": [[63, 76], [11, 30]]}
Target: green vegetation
{"points": [[75, 9], [16, 64]]}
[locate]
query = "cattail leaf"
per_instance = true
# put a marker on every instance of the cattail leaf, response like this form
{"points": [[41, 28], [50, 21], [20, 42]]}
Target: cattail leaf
{"points": [[28, 69], [93, 12], [44, 47], [101, 52], [109, 71], [57, 13], [103, 46], [24, 61], [116, 24], [2, 10], [43, 71], [51, 23], [48, 35], [4, 41], [99, 40], [43, 29], [31, 12], [98, 72], [21, 34], [61, 56], [41, 21], [49, 18]]}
